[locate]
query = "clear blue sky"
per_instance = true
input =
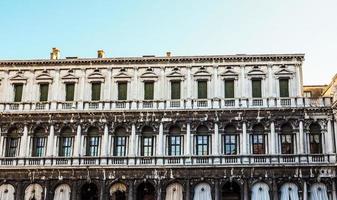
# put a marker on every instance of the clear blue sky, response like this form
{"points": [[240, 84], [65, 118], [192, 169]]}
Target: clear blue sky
{"points": [[29, 29]]}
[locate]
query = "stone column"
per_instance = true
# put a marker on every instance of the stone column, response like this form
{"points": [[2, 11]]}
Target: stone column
{"points": [[132, 139], [189, 88], [188, 190], [334, 197], [188, 139], [270, 81], [105, 141], [77, 143], [243, 79], [216, 190], [24, 142], [272, 143], [160, 140], [215, 145], [2, 144], [335, 130], [299, 79], [245, 191], [244, 144], [302, 138], [305, 191], [50, 142], [328, 138]]}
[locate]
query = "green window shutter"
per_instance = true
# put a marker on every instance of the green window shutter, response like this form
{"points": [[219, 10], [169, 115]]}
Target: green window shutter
{"points": [[70, 91], [284, 87], [256, 88], [122, 91], [202, 89], [148, 90], [44, 91], [18, 92], [95, 91], [175, 89], [229, 88]]}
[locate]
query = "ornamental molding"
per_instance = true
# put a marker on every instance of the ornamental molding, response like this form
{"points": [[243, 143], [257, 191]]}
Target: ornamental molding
{"points": [[44, 77], [18, 78], [151, 124], [229, 74], [70, 77], [96, 76]]}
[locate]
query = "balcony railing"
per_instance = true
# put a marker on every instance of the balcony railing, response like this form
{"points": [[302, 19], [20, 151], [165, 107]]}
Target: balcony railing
{"points": [[223, 160], [236, 103]]}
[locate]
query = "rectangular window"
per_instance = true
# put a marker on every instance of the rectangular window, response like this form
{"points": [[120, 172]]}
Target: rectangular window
{"points": [[256, 88], [65, 146], [95, 91], [18, 92], [307, 94], [11, 146], [315, 144], [202, 145], [120, 146], [70, 91], [92, 146], [174, 145], [229, 88], [284, 87], [175, 89], [230, 144], [44, 91], [39, 144], [122, 91], [148, 90], [147, 146], [287, 146], [202, 89], [258, 144]]}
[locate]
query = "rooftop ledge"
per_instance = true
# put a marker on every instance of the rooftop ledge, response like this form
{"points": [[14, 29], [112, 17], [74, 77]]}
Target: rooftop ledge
{"points": [[183, 104], [118, 60]]}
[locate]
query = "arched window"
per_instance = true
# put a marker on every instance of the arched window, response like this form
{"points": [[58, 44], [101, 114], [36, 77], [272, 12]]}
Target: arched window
{"points": [[146, 191], [230, 140], [12, 143], [34, 192], [202, 141], [315, 138], [287, 138], [318, 191], [231, 191], [174, 192], [202, 191], [258, 140], [66, 139], [92, 142], [260, 191], [39, 141], [174, 141], [289, 191], [89, 191], [62, 192], [147, 142], [120, 142], [7, 192], [118, 191]]}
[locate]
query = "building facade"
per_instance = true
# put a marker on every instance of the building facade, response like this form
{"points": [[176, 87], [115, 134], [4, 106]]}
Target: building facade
{"points": [[231, 127]]}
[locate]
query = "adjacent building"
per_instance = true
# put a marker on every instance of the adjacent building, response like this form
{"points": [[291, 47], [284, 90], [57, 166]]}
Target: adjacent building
{"points": [[226, 127]]}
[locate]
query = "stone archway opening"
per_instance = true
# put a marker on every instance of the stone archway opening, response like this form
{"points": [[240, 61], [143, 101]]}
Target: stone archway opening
{"points": [[89, 191], [118, 192], [146, 191], [231, 191]]}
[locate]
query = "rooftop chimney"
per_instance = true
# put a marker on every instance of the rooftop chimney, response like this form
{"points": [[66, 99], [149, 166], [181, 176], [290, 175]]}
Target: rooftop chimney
{"points": [[55, 54], [100, 54], [168, 54]]}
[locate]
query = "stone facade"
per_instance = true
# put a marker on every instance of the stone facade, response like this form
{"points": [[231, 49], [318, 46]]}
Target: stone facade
{"points": [[121, 142]]}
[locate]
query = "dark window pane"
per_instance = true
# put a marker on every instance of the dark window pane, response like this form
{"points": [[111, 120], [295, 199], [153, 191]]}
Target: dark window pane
{"points": [[256, 88], [70, 91], [18, 92], [96, 91], [65, 146], [44, 92], [120, 146], [175, 89], [147, 146], [202, 89], [258, 144], [11, 146], [287, 144], [174, 146], [202, 145], [122, 90], [284, 87], [38, 146], [92, 146], [148, 90], [229, 88], [230, 144]]}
